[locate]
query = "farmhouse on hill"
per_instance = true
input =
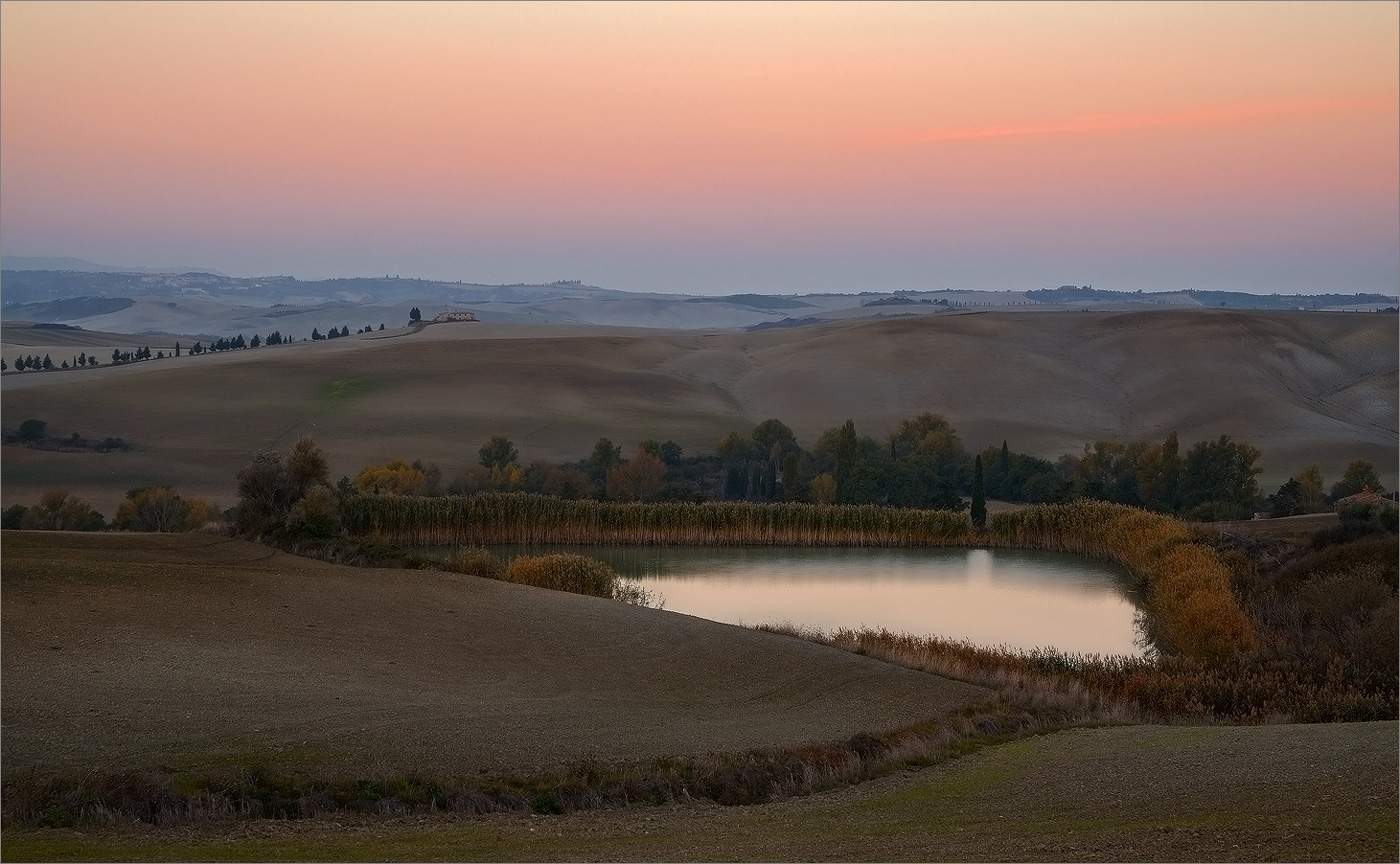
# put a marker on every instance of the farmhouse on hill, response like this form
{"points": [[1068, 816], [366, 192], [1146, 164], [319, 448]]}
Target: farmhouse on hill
{"points": [[1365, 496], [454, 315]]}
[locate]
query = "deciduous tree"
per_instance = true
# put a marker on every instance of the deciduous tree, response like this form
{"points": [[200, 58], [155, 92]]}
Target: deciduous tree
{"points": [[32, 430], [396, 477], [1359, 475], [605, 455], [160, 508], [497, 453], [59, 511], [823, 488], [1311, 488], [1218, 479]]}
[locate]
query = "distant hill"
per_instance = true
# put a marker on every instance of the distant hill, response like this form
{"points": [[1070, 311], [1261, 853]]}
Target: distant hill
{"points": [[78, 265], [1302, 387], [756, 301], [203, 302], [70, 309], [1066, 294]]}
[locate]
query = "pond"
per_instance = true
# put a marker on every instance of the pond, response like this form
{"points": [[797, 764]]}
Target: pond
{"points": [[1017, 598]]}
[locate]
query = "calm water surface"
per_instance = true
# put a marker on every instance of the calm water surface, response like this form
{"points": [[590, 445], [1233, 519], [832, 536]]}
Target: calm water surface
{"points": [[1018, 598]]}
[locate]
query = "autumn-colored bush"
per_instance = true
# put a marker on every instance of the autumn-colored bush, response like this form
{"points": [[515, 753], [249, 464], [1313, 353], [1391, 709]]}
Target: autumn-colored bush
{"points": [[161, 508], [396, 477], [475, 562], [316, 516], [58, 511], [577, 574]]}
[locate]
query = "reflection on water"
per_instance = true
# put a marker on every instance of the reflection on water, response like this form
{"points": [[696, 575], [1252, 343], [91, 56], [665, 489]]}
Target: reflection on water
{"points": [[1018, 598]]}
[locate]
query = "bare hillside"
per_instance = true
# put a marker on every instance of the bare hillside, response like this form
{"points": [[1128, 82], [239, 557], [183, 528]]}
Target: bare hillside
{"points": [[134, 650], [1301, 386]]}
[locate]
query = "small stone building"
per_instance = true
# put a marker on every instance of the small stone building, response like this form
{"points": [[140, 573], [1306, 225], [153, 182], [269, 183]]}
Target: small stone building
{"points": [[454, 315]]}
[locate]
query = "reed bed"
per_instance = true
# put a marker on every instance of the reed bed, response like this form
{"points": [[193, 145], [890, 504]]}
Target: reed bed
{"points": [[535, 520], [1126, 688], [1189, 590]]}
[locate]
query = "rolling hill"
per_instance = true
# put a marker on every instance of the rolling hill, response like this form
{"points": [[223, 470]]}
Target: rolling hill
{"points": [[1301, 386]]}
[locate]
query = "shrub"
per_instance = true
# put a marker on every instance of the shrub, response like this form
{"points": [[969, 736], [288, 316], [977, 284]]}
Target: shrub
{"points": [[31, 430], [1384, 515], [577, 574], [59, 511], [475, 562], [316, 516], [160, 508], [13, 517], [397, 477], [270, 485]]}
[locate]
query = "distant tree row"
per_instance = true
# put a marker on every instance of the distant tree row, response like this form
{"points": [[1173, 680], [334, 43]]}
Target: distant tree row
{"points": [[152, 508], [344, 330], [31, 363], [119, 356], [237, 343]]}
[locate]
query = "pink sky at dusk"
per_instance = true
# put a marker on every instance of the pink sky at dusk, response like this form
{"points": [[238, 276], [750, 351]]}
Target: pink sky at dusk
{"points": [[713, 148]]}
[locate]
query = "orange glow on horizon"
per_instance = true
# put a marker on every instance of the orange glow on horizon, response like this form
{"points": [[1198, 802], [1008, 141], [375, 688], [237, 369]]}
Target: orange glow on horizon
{"points": [[169, 125]]}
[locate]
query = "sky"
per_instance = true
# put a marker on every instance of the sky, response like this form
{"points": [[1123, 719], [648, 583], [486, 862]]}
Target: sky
{"points": [[713, 148]]}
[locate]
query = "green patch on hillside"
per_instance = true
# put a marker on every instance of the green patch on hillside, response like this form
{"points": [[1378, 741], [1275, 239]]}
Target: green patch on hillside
{"points": [[342, 391]]}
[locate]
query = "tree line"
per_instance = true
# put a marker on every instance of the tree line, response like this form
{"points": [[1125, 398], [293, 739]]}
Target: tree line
{"points": [[922, 463], [83, 360]]}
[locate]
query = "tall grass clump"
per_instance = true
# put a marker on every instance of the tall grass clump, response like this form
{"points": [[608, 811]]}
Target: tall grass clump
{"points": [[475, 562], [577, 574]]}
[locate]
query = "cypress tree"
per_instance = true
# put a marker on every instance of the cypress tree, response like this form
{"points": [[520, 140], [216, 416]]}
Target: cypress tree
{"points": [[790, 482], [979, 499], [1003, 489]]}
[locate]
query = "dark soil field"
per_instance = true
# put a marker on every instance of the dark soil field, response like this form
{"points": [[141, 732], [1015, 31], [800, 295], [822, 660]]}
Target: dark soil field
{"points": [[198, 652]]}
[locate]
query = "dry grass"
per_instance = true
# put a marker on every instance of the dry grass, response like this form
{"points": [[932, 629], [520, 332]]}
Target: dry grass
{"points": [[1127, 688]]}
